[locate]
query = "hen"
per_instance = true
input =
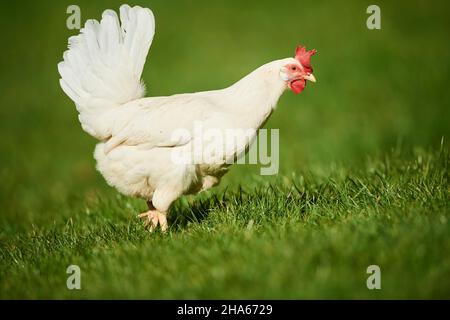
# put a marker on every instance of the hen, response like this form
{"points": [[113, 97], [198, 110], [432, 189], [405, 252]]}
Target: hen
{"points": [[101, 73]]}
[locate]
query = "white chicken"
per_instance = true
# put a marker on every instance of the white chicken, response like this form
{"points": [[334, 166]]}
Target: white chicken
{"points": [[101, 73]]}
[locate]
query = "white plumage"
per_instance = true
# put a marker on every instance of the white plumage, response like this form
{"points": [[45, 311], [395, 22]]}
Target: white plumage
{"points": [[101, 73]]}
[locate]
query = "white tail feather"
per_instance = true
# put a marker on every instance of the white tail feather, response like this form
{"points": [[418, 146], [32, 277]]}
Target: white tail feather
{"points": [[102, 68]]}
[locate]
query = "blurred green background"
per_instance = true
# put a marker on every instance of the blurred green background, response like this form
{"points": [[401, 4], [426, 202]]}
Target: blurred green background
{"points": [[377, 90]]}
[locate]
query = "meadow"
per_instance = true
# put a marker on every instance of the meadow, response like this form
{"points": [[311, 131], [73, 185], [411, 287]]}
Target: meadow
{"points": [[364, 159]]}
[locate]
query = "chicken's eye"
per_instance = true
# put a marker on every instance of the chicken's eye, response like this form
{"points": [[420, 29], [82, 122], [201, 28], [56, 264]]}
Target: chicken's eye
{"points": [[293, 68]]}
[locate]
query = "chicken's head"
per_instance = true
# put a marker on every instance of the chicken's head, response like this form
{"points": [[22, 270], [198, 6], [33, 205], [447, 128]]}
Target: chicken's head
{"points": [[296, 73]]}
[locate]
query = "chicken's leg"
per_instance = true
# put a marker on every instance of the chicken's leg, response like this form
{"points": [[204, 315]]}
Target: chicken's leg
{"points": [[154, 218]]}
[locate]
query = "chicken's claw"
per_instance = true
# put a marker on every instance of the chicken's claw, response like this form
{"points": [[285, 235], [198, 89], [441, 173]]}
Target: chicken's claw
{"points": [[154, 218]]}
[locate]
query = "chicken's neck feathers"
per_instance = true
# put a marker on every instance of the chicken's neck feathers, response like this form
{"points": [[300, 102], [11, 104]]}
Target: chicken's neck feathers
{"points": [[254, 97]]}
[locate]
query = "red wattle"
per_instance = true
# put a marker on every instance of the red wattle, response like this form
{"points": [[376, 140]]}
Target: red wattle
{"points": [[298, 85]]}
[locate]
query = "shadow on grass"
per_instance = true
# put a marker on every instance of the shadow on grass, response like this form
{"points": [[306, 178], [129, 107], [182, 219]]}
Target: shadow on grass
{"points": [[265, 198], [195, 209]]}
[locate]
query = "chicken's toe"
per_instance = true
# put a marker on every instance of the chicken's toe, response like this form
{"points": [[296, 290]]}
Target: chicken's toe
{"points": [[143, 215], [153, 218], [163, 222]]}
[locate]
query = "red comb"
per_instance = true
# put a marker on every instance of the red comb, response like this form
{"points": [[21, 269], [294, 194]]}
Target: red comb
{"points": [[304, 57]]}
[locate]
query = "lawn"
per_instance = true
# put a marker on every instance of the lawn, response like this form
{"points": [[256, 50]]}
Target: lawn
{"points": [[364, 159]]}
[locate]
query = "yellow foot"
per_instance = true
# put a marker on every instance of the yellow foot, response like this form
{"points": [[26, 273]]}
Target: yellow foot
{"points": [[153, 218]]}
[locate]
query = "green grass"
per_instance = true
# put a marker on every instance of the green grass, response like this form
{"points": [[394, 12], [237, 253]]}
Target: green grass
{"points": [[364, 160]]}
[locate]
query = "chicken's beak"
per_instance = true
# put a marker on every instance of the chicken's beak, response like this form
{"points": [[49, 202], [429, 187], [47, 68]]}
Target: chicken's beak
{"points": [[310, 77]]}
